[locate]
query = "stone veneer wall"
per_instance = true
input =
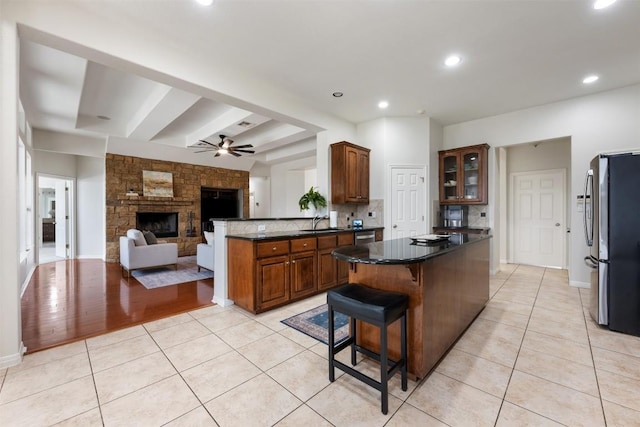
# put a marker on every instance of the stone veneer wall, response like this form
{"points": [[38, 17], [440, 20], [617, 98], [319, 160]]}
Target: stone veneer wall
{"points": [[125, 172]]}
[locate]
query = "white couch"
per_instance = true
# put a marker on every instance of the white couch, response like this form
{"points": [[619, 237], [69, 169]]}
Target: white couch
{"points": [[135, 253], [205, 252]]}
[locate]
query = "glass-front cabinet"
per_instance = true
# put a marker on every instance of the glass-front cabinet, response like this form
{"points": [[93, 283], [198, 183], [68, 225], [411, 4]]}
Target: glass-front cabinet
{"points": [[463, 175]]}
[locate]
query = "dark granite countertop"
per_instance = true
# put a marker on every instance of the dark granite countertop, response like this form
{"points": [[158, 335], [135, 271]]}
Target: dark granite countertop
{"points": [[403, 251], [462, 229], [272, 235]]}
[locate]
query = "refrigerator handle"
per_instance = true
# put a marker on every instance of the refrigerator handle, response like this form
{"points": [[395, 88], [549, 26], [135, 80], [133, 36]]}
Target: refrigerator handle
{"points": [[590, 262], [589, 239]]}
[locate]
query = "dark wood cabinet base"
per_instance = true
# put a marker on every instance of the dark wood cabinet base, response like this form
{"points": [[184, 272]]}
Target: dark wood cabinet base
{"points": [[445, 294]]}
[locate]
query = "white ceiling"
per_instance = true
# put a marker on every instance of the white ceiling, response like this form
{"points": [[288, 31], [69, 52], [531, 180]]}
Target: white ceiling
{"points": [[516, 54]]}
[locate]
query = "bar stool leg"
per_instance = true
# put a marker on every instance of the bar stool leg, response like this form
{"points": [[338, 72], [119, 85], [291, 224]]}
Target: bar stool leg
{"points": [[384, 369], [403, 350], [353, 343], [331, 343]]}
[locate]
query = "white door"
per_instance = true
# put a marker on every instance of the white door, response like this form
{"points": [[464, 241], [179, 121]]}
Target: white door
{"points": [[538, 218], [62, 217], [408, 195]]}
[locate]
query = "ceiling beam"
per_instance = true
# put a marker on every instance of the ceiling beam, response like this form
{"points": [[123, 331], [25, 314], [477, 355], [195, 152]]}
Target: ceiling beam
{"points": [[162, 108]]}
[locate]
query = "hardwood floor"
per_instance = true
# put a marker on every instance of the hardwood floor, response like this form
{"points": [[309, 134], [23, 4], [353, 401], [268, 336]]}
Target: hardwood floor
{"points": [[70, 300]]}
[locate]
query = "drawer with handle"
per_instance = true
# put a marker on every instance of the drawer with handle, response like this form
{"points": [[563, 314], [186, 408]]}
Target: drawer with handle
{"points": [[275, 247], [301, 245]]}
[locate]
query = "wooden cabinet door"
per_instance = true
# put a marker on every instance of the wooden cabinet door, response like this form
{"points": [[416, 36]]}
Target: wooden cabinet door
{"points": [[363, 176], [352, 176], [272, 281], [464, 176], [349, 173], [304, 274], [327, 269], [449, 177], [344, 239], [473, 175]]}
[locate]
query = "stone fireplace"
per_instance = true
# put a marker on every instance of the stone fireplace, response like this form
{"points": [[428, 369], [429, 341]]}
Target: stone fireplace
{"points": [[162, 224], [124, 181]]}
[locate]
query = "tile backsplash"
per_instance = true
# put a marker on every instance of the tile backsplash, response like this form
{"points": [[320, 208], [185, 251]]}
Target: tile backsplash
{"points": [[346, 213], [475, 220]]}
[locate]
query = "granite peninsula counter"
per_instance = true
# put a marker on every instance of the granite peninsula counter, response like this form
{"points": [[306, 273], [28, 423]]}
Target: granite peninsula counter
{"points": [[447, 284]]}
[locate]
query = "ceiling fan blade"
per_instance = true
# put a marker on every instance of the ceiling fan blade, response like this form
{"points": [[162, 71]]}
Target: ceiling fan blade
{"points": [[233, 153], [207, 142], [243, 146], [204, 151], [244, 151]]}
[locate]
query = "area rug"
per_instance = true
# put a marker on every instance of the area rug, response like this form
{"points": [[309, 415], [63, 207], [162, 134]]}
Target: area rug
{"points": [[315, 323], [187, 271]]}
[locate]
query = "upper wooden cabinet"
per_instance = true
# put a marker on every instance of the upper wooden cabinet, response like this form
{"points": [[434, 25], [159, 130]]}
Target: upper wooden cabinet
{"points": [[464, 176], [349, 173]]}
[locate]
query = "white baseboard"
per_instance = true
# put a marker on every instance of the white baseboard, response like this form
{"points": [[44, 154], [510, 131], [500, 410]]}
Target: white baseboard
{"points": [[26, 281], [576, 284], [12, 359], [222, 302], [90, 257]]}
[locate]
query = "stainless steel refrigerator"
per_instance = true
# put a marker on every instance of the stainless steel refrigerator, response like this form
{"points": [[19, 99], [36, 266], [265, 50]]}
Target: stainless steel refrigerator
{"points": [[612, 230]]}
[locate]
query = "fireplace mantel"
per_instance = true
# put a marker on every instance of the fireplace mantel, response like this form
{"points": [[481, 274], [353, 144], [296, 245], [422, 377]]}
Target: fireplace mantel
{"points": [[149, 200]]}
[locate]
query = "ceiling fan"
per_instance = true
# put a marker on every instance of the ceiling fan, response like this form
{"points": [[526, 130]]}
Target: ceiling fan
{"points": [[224, 147]]}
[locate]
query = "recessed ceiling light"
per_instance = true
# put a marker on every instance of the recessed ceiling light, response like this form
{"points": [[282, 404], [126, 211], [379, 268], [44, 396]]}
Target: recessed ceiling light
{"points": [[205, 2], [452, 61], [383, 104], [601, 4], [590, 79], [337, 94]]}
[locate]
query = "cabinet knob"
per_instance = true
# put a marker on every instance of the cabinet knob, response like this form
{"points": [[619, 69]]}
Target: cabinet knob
{"points": [[293, 262], [274, 248], [305, 245]]}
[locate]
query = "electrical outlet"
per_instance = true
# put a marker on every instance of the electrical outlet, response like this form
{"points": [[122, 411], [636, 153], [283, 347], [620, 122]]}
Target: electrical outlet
{"points": [[261, 227], [372, 214], [483, 214]]}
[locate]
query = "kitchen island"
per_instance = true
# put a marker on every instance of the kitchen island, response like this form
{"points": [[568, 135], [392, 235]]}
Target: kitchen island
{"points": [[447, 283]]}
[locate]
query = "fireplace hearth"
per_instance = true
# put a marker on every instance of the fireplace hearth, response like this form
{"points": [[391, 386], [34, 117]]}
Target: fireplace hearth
{"points": [[162, 224]]}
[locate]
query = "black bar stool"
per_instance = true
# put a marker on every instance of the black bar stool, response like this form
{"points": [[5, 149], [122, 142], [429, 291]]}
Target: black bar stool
{"points": [[379, 308]]}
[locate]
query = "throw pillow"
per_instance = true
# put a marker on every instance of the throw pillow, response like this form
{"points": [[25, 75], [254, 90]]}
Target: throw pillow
{"points": [[208, 235], [150, 238], [137, 236]]}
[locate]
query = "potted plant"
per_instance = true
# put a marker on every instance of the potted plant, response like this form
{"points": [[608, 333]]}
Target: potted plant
{"points": [[314, 198]]}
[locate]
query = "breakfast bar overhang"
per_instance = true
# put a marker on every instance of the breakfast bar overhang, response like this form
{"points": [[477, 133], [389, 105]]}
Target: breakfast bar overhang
{"points": [[447, 283]]}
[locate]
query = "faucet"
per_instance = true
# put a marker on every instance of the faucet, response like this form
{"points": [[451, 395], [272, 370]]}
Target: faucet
{"points": [[316, 219]]}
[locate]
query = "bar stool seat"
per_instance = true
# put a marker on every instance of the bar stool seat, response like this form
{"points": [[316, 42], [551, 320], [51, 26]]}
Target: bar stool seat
{"points": [[376, 307]]}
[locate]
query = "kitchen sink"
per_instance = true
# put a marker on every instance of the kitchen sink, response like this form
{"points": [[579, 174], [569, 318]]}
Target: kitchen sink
{"points": [[322, 230]]}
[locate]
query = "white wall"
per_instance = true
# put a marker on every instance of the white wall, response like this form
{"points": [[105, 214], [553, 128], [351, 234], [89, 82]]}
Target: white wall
{"points": [[89, 173], [90, 207], [62, 165], [260, 195], [601, 122], [396, 141], [10, 319], [542, 155], [287, 186]]}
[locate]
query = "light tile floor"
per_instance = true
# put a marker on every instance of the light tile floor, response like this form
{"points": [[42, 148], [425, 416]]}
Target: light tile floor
{"points": [[532, 357]]}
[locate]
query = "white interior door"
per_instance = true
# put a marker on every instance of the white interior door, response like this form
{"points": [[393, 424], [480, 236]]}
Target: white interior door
{"points": [[408, 194], [62, 218], [538, 218]]}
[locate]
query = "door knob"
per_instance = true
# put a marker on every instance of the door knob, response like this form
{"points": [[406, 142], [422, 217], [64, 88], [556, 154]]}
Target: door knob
{"points": [[395, 225], [557, 224]]}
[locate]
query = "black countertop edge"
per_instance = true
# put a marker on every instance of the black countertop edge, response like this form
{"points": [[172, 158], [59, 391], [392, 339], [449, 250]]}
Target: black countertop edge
{"points": [[288, 218], [403, 251], [272, 235], [462, 228]]}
